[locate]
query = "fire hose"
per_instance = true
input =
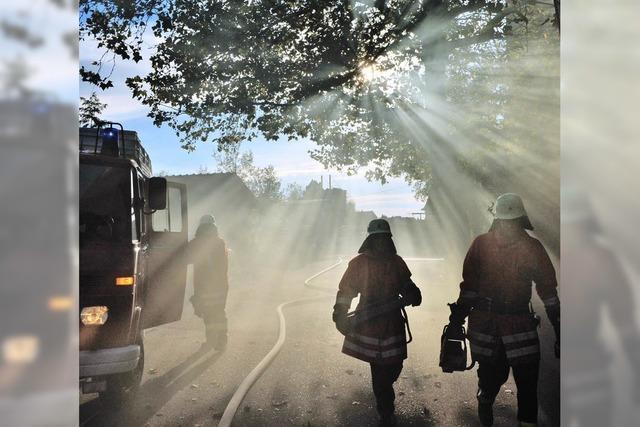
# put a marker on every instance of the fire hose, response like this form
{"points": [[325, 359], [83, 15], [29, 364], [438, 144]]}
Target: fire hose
{"points": [[262, 366]]}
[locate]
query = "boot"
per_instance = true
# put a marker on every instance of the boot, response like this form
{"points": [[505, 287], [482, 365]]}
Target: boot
{"points": [[216, 338], [485, 413], [388, 420]]}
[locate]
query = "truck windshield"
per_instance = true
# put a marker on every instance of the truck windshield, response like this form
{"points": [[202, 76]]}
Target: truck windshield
{"points": [[105, 203]]}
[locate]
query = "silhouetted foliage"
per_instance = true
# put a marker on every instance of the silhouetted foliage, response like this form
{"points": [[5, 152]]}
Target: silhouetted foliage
{"points": [[294, 191], [90, 110], [341, 73], [262, 181]]}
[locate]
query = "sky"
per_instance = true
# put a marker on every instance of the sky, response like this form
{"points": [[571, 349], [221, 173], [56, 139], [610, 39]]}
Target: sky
{"points": [[51, 64], [290, 159]]}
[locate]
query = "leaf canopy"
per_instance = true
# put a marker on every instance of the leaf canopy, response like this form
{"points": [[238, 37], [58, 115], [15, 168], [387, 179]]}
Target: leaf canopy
{"points": [[339, 73]]}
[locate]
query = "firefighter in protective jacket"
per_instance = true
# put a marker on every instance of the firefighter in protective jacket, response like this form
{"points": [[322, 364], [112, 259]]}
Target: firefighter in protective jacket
{"points": [[495, 293], [208, 254], [378, 275]]}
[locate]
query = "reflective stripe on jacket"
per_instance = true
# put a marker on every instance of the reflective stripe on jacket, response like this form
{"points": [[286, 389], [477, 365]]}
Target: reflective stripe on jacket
{"points": [[516, 334], [501, 266], [381, 339], [379, 350]]}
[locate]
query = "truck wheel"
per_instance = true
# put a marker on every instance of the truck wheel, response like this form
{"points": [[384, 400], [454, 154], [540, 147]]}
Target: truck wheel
{"points": [[122, 388]]}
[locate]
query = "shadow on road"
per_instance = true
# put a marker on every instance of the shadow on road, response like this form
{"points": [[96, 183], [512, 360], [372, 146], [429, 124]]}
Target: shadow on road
{"points": [[153, 394], [505, 415], [359, 410]]}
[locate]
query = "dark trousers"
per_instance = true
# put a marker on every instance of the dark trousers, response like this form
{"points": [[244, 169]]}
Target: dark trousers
{"points": [[382, 379], [492, 375], [215, 324]]}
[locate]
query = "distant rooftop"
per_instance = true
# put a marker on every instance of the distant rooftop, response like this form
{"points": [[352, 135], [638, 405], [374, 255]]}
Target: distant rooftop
{"points": [[217, 174], [225, 181]]}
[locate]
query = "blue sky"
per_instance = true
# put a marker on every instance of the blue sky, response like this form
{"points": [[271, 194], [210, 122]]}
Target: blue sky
{"points": [[290, 159]]}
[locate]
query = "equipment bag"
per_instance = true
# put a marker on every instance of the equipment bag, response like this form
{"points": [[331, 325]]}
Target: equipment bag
{"points": [[453, 349]]}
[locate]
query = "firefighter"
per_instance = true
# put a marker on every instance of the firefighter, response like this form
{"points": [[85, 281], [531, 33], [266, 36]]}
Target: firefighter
{"points": [[495, 293], [378, 275], [209, 256]]}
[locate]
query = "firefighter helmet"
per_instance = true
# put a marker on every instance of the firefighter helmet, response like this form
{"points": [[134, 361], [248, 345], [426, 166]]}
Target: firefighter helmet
{"points": [[207, 219], [509, 206], [378, 226]]}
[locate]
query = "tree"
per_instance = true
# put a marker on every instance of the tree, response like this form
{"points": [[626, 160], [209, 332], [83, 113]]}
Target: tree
{"points": [[343, 74], [263, 182], [230, 159], [90, 110], [460, 97], [294, 191]]}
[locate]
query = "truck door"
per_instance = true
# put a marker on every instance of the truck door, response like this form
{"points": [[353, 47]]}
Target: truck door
{"points": [[167, 266]]}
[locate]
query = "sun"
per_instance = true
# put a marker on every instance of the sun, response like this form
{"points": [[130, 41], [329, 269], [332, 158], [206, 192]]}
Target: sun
{"points": [[369, 72]]}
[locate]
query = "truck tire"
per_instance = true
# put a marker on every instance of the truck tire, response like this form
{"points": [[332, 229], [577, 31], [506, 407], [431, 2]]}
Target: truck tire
{"points": [[122, 388]]}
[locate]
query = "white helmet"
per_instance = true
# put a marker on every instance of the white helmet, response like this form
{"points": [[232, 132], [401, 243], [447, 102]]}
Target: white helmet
{"points": [[207, 219], [509, 206]]}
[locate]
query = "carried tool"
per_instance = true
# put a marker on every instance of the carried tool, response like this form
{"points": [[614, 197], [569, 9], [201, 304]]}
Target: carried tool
{"points": [[453, 348]]}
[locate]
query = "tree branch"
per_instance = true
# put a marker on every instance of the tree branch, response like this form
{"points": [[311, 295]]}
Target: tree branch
{"points": [[489, 31], [477, 39], [474, 7], [324, 85]]}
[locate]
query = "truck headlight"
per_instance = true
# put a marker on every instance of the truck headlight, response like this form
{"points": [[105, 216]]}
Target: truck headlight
{"points": [[96, 315], [21, 349]]}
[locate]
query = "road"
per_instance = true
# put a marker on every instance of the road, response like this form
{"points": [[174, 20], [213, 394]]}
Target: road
{"points": [[310, 382]]}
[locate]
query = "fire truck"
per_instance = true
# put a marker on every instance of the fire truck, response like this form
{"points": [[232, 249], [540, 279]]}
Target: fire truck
{"points": [[133, 229]]}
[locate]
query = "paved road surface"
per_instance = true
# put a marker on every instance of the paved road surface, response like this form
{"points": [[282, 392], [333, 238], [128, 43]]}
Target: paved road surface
{"points": [[310, 383]]}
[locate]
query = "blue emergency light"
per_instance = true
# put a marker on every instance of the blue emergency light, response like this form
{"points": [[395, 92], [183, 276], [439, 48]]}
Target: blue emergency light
{"points": [[110, 138]]}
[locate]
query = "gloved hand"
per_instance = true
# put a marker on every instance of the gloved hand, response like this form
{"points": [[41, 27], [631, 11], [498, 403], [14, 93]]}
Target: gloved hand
{"points": [[458, 314], [553, 312], [412, 294], [343, 325], [340, 319]]}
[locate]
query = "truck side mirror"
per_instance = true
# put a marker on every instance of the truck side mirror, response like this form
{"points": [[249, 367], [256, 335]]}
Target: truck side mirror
{"points": [[157, 193]]}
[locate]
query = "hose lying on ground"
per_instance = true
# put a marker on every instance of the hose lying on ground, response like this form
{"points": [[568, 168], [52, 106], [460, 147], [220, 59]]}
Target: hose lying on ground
{"points": [[262, 366]]}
